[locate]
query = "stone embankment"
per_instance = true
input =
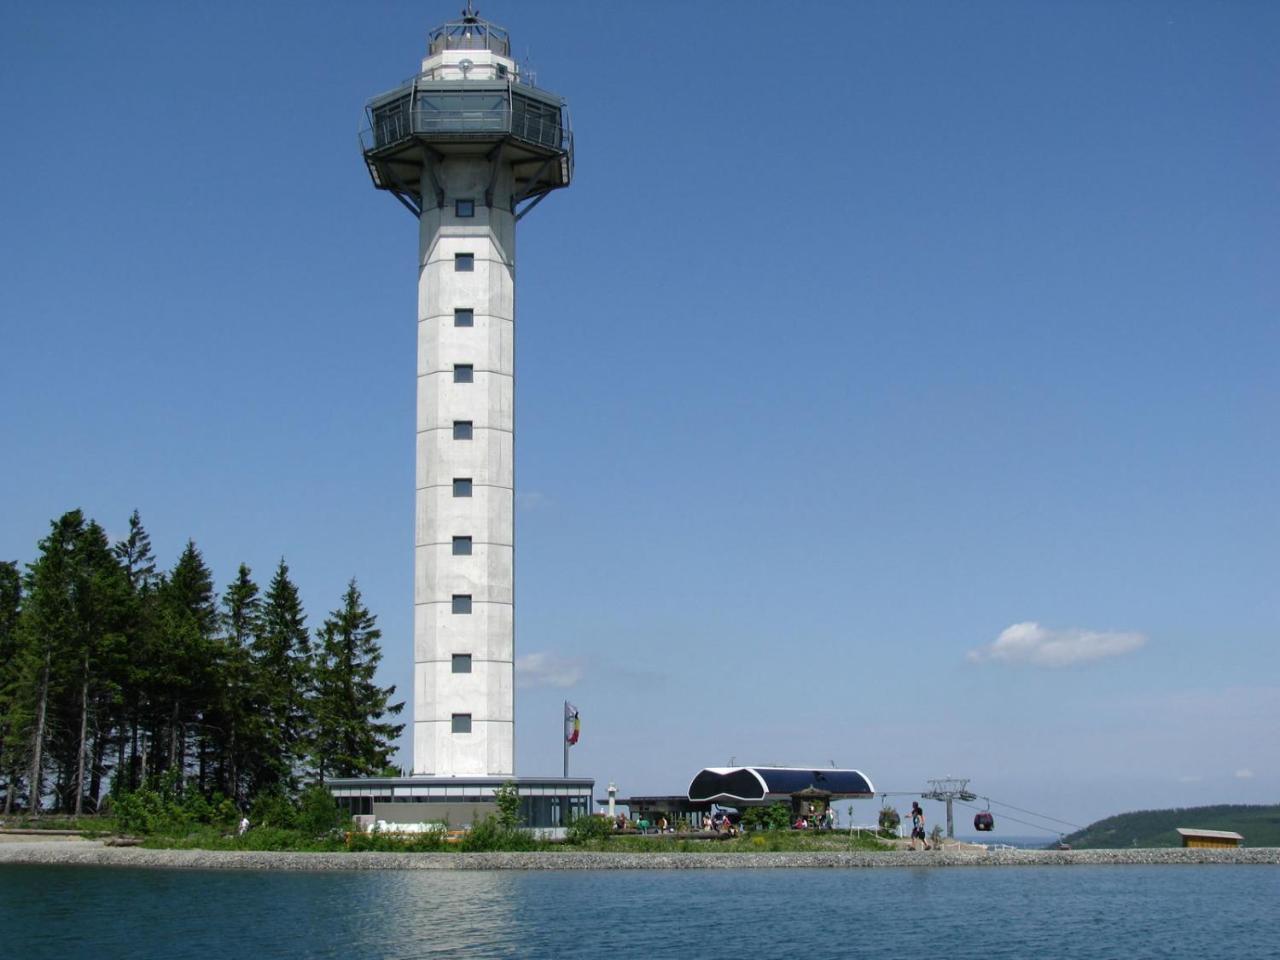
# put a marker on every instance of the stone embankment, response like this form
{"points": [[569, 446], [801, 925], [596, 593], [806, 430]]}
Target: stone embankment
{"points": [[94, 853]]}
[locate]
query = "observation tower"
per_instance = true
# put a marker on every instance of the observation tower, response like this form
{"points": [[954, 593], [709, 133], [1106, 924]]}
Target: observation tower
{"points": [[468, 146]]}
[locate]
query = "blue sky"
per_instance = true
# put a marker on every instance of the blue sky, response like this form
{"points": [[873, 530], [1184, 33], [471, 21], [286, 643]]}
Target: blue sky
{"points": [[861, 339]]}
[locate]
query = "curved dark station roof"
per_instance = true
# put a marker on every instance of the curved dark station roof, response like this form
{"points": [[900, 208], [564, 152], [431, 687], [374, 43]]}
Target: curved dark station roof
{"points": [[735, 785]]}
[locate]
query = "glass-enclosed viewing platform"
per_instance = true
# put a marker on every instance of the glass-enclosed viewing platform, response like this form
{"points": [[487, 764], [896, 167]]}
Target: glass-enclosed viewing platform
{"points": [[467, 109], [428, 117]]}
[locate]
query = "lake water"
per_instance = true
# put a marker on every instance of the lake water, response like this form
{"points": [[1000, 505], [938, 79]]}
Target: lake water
{"points": [[889, 913]]}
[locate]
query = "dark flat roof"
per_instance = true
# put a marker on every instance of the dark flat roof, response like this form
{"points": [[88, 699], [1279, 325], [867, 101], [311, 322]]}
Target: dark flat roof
{"points": [[453, 784]]}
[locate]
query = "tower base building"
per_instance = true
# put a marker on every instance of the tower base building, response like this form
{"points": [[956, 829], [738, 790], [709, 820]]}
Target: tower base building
{"points": [[547, 804]]}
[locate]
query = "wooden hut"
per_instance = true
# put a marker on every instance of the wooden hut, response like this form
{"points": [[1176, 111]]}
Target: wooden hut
{"points": [[1209, 838]]}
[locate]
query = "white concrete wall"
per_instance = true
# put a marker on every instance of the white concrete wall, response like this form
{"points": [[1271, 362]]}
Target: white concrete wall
{"points": [[446, 65], [487, 633]]}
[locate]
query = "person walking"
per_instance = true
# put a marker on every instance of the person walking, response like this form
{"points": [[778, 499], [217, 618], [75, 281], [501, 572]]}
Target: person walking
{"points": [[917, 826]]}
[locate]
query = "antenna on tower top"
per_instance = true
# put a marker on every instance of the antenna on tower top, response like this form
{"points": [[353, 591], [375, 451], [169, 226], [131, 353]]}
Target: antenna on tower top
{"points": [[470, 15]]}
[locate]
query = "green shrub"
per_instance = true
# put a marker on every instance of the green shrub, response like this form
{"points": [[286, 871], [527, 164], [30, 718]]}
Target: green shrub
{"points": [[591, 828], [318, 813], [142, 811], [167, 805], [273, 810], [776, 816], [196, 809], [507, 797], [889, 819], [489, 834], [226, 812], [428, 841]]}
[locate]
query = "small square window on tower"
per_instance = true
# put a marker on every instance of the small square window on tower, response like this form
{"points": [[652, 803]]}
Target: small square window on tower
{"points": [[464, 373], [462, 546], [464, 262], [464, 208], [462, 603], [462, 663], [464, 317], [462, 723], [462, 429], [462, 486]]}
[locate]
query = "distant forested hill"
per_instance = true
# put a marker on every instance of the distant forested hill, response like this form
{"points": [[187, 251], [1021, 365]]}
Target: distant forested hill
{"points": [[1260, 826]]}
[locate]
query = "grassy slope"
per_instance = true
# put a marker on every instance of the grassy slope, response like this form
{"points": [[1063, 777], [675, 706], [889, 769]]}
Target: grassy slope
{"points": [[1156, 828]]}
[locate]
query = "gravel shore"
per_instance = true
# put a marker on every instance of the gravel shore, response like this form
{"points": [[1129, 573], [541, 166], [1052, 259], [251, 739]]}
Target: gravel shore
{"points": [[94, 853]]}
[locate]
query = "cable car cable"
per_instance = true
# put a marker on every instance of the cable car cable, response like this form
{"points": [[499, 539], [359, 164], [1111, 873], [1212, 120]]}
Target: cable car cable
{"points": [[1032, 813], [990, 800], [1033, 826]]}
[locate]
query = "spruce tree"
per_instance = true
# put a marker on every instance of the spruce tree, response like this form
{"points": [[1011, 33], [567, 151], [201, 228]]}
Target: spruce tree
{"points": [[238, 725], [351, 736], [142, 653], [184, 668], [46, 649], [10, 605], [135, 556], [101, 592], [282, 665]]}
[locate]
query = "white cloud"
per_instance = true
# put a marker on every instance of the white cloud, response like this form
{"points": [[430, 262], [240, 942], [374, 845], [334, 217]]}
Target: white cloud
{"points": [[1244, 774], [1029, 642], [547, 670]]}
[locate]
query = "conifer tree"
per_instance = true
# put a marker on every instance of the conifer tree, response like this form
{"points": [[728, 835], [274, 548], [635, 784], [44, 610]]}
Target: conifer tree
{"points": [[100, 590], [10, 605], [142, 650], [233, 715], [351, 736], [282, 665], [47, 645], [189, 621], [135, 556]]}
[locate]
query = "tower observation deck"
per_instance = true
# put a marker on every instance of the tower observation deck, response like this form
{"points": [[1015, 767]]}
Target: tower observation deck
{"points": [[469, 100], [468, 146]]}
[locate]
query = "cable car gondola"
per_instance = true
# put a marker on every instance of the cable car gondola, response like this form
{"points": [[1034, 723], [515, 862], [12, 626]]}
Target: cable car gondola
{"points": [[983, 821]]}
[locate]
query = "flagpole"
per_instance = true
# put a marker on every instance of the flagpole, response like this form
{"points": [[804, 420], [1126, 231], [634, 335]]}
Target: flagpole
{"points": [[565, 738]]}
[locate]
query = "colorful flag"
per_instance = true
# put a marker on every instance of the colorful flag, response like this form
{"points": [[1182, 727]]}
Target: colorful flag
{"points": [[572, 725]]}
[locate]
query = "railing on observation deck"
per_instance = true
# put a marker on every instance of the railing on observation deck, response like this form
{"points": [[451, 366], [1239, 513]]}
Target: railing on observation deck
{"points": [[394, 126], [471, 34]]}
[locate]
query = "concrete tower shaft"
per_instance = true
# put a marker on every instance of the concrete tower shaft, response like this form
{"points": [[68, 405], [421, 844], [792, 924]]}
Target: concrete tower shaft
{"points": [[464, 649], [469, 147]]}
